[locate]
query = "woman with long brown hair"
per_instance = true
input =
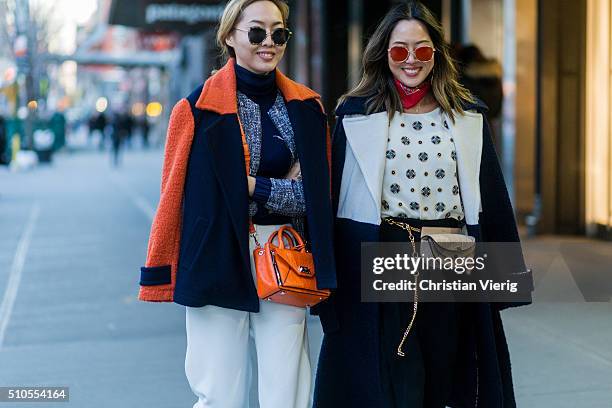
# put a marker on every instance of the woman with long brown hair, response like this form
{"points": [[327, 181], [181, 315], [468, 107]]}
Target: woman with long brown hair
{"points": [[412, 151]]}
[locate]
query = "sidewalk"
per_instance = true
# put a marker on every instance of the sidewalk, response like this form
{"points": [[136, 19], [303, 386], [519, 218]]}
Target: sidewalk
{"points": [[561, 346]]}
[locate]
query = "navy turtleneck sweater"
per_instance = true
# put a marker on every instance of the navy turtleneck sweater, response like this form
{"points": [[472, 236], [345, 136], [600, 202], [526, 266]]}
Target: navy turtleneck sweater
{"points": [[275, 159]]}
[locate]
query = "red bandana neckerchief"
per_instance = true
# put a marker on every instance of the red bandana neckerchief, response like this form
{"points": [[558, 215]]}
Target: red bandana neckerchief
{"points": [[411, 96]]}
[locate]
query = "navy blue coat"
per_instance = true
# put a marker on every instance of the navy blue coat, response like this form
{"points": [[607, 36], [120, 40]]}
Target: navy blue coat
{"points": [[198, 250], [348, 371]]}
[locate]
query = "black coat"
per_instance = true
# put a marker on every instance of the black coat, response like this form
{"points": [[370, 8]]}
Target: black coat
{"points": [[348, 371], [198, 250]]}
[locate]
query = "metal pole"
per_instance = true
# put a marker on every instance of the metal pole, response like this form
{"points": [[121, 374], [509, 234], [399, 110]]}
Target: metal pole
{"points": [[25, 80]]}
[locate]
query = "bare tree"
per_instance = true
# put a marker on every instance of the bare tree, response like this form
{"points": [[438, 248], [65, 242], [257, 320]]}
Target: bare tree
{"points": [[36, 23], [7, 27], [45, 22], [39, 24]]}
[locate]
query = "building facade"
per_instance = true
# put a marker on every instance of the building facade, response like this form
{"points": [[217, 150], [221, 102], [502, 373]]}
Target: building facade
{"points": [[554, 134]]}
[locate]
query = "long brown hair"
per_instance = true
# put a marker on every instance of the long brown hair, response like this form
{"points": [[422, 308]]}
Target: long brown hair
{"points": [[377, 80]]}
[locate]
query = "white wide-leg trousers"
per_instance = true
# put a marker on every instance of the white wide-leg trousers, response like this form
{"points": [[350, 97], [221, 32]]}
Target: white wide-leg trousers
{"points": [[217, 359]]}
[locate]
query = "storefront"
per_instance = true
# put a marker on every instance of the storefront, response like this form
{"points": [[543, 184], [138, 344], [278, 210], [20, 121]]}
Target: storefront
{"points": [[159, 15], [573, 145], [598, 124], [555, 130]]}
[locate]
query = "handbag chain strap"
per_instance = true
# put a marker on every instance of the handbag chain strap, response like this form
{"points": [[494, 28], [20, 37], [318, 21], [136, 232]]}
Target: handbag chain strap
{"points": [[409, 228]]}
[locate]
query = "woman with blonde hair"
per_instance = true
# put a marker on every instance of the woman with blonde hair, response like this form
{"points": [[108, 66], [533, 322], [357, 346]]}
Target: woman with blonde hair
{"points": [[412, 150], [247, 152]]}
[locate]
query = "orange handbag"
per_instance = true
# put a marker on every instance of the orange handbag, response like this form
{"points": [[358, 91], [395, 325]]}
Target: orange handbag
{"points": [[286, 273]]}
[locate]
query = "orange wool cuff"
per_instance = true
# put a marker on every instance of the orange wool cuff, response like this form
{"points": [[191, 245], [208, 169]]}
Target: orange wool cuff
{"points": [[164, 239]]}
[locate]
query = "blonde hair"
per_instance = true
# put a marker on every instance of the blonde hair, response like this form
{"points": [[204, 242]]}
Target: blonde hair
{"points": [[231, 15]]}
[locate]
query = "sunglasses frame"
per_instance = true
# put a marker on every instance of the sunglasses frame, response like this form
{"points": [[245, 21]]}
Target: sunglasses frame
{"points": [[268, 34], [413, 52]]}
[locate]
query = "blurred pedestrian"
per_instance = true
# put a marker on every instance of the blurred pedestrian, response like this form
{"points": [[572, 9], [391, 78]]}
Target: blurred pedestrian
{"points": [[97, 125], [118, 132], [144, 130], [127, 126], [247, 113], [4, 156], [412, 152]]}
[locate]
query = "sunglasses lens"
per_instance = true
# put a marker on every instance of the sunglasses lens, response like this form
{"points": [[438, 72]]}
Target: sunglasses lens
{"points": [[257, 35], [398, 54], [280, 36], [424, 54]]}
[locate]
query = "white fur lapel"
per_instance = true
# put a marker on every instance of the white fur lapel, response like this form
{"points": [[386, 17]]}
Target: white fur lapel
{"points": [[364, 165]]}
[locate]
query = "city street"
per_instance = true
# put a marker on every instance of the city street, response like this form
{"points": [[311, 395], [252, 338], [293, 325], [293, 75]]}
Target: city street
{"points": [[82, 81], [73, 236]]}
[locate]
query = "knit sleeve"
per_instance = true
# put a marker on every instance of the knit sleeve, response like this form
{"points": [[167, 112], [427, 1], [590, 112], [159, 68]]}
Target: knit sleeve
{"points": [[286, 197], [263, 187]]}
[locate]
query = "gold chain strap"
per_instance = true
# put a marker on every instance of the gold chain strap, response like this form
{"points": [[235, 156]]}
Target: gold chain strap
{"points": [[409, 228]]}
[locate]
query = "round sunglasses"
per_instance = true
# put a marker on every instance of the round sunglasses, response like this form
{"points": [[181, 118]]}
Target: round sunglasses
{"points": [[258, 35], [400, 53]]}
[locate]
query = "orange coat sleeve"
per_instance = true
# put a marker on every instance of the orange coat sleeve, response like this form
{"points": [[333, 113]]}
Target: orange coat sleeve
{"points": [[164, 239]]}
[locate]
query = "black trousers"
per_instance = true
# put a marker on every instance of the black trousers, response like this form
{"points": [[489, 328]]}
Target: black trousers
{"points": [[424, 377]]}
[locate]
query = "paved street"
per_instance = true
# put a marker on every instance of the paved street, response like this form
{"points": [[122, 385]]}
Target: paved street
{"points": [[72, 318], [73, 236]]}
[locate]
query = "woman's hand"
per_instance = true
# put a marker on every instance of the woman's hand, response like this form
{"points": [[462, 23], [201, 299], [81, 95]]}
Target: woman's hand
{"points": [[294, 172], [251, 182]]}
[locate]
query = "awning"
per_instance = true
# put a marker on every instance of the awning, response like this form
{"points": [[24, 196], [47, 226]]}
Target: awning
{"points": [[167, 15]]}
